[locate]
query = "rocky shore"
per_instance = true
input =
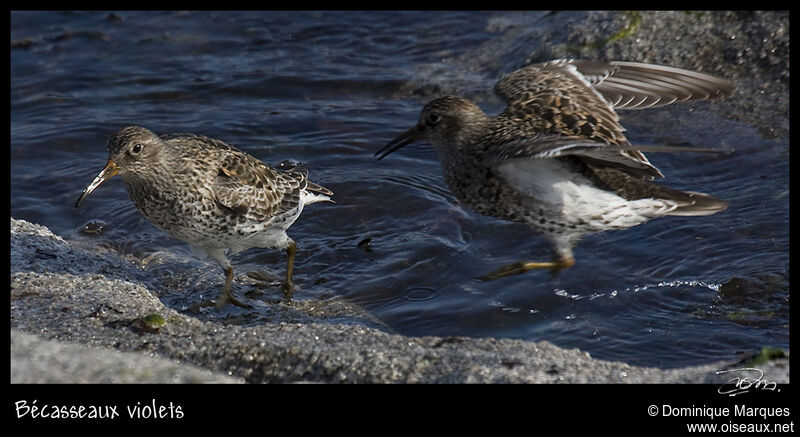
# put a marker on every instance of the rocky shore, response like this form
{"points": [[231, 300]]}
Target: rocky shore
{"points": [[80, 314], [85, 314]]}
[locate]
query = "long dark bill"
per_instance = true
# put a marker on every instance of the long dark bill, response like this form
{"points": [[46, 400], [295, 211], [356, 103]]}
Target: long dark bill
{"points": [[108, 172], [403, 139]]}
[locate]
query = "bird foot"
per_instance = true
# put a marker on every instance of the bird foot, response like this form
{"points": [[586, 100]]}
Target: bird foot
{"points": [[522, 267], [226, 298], [288, 289], [196, 307], [221, 301]]}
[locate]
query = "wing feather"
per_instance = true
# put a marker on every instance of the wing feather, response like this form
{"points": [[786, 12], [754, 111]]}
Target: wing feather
{"points": [[571, 104], [246, 185]]}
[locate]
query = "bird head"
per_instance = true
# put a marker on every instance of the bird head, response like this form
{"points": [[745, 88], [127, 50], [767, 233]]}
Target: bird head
{"points": [[448, 121], [130, 150]]}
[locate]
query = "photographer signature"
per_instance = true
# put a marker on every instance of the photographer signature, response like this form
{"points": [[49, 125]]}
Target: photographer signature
{"points": [[742, 384]]}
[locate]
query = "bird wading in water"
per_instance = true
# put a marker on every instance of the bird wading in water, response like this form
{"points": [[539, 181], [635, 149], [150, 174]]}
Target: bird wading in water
{"points": [[557, 158], [210, 195]]}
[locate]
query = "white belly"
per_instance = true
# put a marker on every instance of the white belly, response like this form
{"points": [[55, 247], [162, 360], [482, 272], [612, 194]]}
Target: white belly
{"points": [[576, 198]]}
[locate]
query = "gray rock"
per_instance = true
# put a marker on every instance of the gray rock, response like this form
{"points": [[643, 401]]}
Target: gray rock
{"points": [[34, 360], [81, 313], [120, 331]]}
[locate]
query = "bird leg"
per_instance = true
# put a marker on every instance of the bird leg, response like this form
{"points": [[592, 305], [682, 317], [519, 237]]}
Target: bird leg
{"points": [[288, 285], [226, 296], [522, 267]]}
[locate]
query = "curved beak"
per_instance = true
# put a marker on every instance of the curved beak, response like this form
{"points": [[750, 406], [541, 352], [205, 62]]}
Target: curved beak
{"points": [[406, 137], [108, 172]]}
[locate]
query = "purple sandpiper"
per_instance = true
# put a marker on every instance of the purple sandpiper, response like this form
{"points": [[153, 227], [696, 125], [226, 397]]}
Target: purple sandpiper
{"points": [[210, 195], [556, 158]]}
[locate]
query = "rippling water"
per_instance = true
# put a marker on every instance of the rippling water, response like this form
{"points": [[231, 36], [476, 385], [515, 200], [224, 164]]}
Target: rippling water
{"points": [[328, 89]]}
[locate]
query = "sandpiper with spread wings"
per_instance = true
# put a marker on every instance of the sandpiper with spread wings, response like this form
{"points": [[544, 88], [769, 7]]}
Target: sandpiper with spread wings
{"points": [[557, 158]]}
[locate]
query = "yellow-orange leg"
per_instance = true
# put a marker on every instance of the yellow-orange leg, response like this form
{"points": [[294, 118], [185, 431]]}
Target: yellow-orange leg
{"points": [[522, 267], [226, 296]]}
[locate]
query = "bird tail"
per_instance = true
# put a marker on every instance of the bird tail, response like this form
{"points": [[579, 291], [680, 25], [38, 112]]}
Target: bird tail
{"points": [[691, 203], [317, 193], [312, 192], [311, 197], [318, 189]]}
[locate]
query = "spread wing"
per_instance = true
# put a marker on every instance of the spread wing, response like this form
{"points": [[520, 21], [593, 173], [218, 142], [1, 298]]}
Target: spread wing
{"points": [[627, 85], [634, 85], [553, 110], [570, 106], [549, 146]]}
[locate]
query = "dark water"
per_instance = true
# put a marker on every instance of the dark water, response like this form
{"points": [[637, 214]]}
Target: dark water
{"points": [[329, 89]]}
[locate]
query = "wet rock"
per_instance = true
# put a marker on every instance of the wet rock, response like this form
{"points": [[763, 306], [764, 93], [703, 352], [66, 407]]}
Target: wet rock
{"points": [[94, 227], [85, 318], [35, 360], [760, 286]]}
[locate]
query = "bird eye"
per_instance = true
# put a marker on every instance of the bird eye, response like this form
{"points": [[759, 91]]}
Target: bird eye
{"points": [[432, 119], [136, 149]]}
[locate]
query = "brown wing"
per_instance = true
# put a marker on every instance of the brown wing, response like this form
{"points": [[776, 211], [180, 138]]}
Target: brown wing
{"points": [[578, 99], [635, 85], [629, 85], [297, 171], [555, 100], [247, 186]]}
